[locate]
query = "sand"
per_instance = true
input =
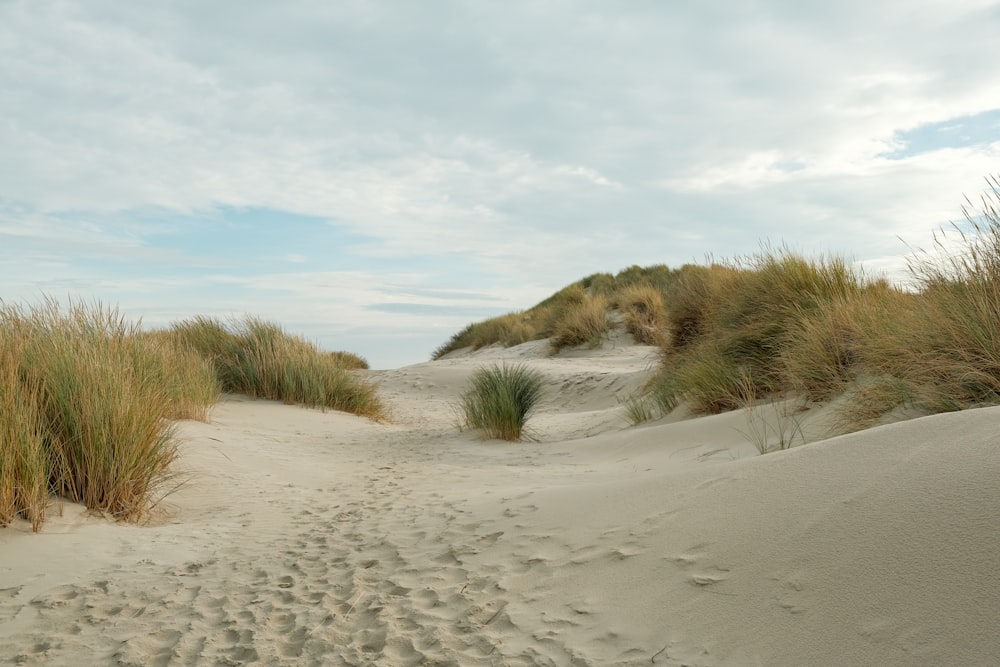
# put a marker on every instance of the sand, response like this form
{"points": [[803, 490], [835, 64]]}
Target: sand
{"points": [[308, 538]]}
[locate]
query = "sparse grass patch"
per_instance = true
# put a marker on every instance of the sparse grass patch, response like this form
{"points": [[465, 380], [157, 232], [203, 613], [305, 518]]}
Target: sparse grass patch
{"points": [[500, 399], [641, 408], [773, 426]]}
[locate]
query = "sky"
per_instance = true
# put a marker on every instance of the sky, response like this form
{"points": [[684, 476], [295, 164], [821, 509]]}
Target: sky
{"points": [[375, 175]]}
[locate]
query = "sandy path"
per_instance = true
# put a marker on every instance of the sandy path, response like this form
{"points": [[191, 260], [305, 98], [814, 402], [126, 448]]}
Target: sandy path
{"points": [[316, 538]]}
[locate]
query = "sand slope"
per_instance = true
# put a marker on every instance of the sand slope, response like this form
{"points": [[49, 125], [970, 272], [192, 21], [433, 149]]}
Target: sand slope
{"points": [[303, 537]]}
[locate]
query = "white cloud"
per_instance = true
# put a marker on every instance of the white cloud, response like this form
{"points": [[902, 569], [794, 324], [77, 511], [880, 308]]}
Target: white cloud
{"points": [[538, 141]]}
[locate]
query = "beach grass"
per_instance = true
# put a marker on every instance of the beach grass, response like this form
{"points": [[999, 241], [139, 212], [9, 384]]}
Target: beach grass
{"points": [[500, 399], [88, 399], [818, 328], [24, 463], [644, 312], [90, 420], [569, 317], [350, 361], [260, 359], [586, 323]]}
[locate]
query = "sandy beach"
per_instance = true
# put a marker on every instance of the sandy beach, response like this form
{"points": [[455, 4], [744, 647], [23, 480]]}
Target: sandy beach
{"points": [[303, 537]]}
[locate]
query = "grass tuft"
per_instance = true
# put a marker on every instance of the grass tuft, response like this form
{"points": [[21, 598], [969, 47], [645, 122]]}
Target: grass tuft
{"points": [[500, 399], [258, 358], [772, 427], [87, 399], [97, 403]]}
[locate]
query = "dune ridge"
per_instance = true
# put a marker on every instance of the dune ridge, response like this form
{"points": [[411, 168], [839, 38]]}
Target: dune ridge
{"points": [[320, 538]]}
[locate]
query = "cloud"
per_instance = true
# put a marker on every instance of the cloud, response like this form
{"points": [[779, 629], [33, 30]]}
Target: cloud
{"points": [[506, 148]]}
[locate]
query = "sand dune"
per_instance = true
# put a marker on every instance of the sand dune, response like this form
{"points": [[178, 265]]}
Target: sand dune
{"points": [[302, 537]]}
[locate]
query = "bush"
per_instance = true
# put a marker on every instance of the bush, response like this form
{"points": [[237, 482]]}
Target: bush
{"points": [[500, 400]]}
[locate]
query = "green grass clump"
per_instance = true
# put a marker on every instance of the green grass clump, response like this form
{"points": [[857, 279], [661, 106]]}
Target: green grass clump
{"points": [[777, 324], [708, 378], [87, 399], [500, 399], [91, 416], [258, 358]]}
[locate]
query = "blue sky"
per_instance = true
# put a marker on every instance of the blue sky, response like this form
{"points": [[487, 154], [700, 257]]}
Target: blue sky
{"points": [[375, 175]]}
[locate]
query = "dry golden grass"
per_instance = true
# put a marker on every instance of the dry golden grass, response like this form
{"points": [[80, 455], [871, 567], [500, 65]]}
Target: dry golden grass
{"points": [[24, 465], [350, 361], [586, 323], [258, 358], [824, 349], [508, 330], [777, 322], [645, 313], [87, 399], [88, 395]]}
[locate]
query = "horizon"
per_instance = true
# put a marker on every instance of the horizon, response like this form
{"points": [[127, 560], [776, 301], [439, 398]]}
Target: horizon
{"points": [[374, 177]]}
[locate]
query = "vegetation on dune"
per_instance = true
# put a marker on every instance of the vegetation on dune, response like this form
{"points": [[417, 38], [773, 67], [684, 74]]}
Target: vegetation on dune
{"points": [[84, 408], [500, 399], [259, 359], [350, 361], [586, 323], [645, 313], [86, 399], [569, 317], [774, 324]]}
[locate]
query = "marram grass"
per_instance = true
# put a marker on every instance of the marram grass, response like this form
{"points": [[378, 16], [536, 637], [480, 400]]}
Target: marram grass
{"points": [[500, 400], [87, 399], [258, 358]]}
